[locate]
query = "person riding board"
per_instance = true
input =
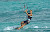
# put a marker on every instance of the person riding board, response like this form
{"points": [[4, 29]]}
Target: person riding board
{"points": [[23, 23]]}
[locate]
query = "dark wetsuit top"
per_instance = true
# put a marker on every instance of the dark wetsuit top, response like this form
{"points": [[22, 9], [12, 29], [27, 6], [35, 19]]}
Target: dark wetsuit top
{"points": [[29, 18]]}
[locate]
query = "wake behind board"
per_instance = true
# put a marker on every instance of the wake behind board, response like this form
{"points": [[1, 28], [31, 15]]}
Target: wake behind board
{"points": [[12, 27]]}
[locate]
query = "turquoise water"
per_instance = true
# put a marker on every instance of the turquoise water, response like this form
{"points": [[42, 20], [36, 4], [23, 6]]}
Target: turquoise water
{"points": [[11, 14]]}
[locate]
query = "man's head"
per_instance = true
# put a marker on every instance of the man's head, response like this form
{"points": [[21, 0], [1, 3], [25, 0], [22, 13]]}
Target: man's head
{"points": [[30, 11]]}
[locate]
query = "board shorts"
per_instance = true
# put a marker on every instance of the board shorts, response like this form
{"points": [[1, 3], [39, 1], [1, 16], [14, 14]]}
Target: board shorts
{"points": [[26, 22]]}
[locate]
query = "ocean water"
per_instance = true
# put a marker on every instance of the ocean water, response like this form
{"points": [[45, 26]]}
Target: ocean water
{"points": [[11, 15]]}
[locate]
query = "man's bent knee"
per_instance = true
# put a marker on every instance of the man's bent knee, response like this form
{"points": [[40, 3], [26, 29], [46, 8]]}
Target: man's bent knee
{"points": [[22, 22]]}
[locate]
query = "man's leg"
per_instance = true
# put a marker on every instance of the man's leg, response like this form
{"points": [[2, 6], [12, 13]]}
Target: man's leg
{"points": [[22, 26], [22, 23]]}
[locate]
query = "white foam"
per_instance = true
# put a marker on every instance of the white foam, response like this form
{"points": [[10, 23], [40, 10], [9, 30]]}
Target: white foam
{"points": [[36, 27], [11, 27], [46, 26], [8, 28]]}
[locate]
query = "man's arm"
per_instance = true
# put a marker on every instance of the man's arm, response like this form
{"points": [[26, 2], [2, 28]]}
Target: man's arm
{"points": [[29, 14], [26, 10]]}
